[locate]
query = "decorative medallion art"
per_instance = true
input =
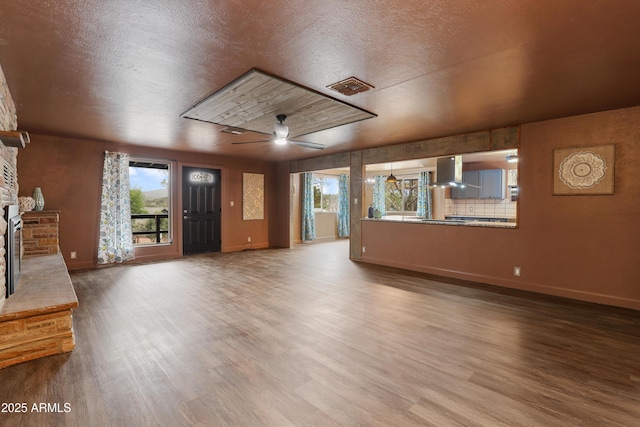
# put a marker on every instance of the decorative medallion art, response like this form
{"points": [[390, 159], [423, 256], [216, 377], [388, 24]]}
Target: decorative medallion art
{"points": [[252, 196], [584, 170]]}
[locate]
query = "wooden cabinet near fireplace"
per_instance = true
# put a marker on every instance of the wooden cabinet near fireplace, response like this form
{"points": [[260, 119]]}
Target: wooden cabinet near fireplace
{"points": [[36, 321]]}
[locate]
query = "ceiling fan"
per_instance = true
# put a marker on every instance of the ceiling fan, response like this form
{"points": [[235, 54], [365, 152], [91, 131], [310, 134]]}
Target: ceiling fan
{"points": [[280, 136]]}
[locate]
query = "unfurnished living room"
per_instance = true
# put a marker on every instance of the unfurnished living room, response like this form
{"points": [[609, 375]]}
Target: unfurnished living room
{"points": [[378, 213]]}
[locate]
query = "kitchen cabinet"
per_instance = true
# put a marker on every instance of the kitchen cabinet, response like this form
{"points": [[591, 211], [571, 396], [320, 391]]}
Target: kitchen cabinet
{"points": [[492, 184], [484, 184], [473, 179]]}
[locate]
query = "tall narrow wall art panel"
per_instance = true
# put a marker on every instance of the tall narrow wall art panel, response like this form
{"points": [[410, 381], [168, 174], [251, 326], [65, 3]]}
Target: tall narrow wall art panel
{"points": [[252, 196]]}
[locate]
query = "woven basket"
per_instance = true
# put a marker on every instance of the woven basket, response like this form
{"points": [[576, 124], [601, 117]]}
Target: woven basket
{"points": [[26, 203]]}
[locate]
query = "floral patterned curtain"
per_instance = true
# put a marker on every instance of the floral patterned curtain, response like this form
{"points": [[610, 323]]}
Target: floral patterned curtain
{"points": [[424, 196], [115, 241], [378, 195], [343, 206], [308, 231]]}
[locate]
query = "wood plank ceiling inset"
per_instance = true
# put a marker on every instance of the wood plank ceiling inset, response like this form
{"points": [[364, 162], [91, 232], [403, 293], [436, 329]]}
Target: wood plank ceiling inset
{"points": [[253, 100]]}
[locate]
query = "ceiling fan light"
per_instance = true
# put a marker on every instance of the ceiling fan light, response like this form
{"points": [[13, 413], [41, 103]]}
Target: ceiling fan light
{"points": [[280, 141], [281, 130]]}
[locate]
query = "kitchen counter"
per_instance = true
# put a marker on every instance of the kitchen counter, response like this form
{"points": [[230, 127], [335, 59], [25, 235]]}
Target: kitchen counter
{"points": [[454, 222]]}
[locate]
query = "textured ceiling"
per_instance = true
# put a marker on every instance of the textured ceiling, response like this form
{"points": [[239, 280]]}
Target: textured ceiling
{"points": [[124, 71]]}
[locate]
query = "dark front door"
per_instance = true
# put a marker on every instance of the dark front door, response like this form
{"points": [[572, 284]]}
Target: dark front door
{"points": [[200, 210]]}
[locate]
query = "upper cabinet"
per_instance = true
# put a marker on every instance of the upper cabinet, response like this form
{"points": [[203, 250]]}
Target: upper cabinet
{"points": [[491, 183], [471, 191]]}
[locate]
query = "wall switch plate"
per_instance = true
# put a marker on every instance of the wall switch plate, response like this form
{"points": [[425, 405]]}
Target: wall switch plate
{"points": [[248, 239], [364, 249], [73, 255], [232, 203], [516, 271]]}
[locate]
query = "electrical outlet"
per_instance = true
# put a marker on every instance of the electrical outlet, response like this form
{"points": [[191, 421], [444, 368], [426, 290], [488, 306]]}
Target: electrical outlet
{"points": [[73, 255], [516, 271], [248, 239], [364, 249]]}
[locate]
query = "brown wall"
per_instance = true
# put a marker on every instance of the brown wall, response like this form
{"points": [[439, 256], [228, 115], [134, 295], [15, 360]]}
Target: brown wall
{"points": [[279, 235], [582, 247], [69, 171]]}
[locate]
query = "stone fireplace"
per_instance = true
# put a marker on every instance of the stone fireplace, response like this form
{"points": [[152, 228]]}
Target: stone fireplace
{"points": [[36, 320], [9, 176]]}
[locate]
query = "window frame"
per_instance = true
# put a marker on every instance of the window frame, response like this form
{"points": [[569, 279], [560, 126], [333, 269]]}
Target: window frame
{"points": [[169, 168], [403, 199], [322, 177]]}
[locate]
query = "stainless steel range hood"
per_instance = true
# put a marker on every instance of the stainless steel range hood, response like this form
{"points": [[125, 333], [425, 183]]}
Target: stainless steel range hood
{"points": [[449, 172]]}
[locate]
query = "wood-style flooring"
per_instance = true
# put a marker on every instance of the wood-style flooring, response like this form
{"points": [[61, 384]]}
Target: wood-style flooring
{"points": [[303, 336]]}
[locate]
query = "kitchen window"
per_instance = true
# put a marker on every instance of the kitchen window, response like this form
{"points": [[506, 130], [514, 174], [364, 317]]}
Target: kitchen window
{"points": [[402, 196]]}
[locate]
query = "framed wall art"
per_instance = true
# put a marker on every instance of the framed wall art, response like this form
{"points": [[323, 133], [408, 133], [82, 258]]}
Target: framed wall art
{"points": [[252, 196], [584, 170]]}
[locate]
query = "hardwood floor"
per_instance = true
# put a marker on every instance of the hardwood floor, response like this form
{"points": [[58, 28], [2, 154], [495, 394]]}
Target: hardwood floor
{"points": [[307, 337]]}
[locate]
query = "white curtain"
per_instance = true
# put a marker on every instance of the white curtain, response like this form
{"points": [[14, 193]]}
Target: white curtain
{"points": [[116, 241]]}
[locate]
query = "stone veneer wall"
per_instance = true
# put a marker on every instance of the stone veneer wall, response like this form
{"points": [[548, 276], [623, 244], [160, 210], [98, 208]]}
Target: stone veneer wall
{"points": [[40, 233], [8, 175]]}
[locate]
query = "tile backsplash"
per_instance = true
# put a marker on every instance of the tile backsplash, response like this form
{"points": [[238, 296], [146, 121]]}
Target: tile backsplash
{"points": [[494, 208]]}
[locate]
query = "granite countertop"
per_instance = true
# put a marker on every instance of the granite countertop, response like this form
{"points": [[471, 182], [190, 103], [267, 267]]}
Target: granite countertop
{"points": [[454, 222]]}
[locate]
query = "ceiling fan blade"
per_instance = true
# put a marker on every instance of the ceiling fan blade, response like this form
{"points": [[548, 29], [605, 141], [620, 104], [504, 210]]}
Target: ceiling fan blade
{"points": [[304, 144], [252, 142]]}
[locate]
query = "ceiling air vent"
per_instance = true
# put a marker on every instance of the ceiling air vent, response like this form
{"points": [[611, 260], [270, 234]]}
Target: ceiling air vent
{"points": [[350, 86], [233, 130]]}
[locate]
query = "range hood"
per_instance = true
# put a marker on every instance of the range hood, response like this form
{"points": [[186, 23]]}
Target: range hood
{"points": [[449, 172]]}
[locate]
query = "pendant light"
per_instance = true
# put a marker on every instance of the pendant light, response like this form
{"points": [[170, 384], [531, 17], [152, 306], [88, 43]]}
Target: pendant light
{"points": [[391, 178]]}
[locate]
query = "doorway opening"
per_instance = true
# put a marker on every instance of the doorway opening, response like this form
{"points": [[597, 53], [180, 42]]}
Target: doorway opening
{"points": [[320, 206]]}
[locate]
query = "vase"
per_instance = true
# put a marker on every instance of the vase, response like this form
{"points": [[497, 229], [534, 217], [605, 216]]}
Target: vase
{"points": [[39, 199]]}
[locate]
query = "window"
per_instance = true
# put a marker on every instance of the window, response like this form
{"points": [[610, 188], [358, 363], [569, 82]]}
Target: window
{"points": [[401, 196], [149, 182], [325, 193]]}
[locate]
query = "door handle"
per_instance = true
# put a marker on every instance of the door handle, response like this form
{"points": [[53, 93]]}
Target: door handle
{"points": [[186, 217]]}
